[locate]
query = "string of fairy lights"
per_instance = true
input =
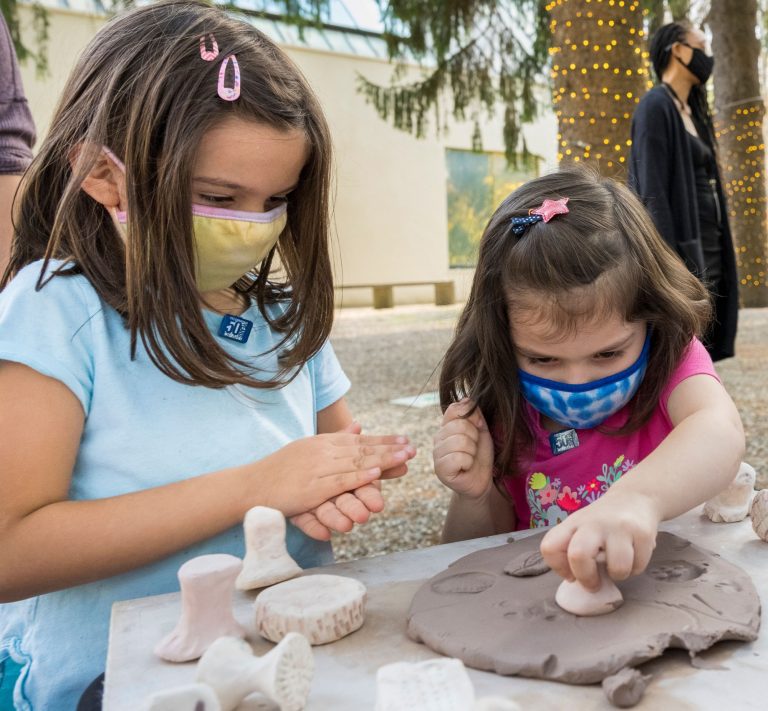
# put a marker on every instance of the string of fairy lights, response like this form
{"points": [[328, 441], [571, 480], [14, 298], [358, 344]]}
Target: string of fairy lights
{"points": [[742, 162], [599, 71]]}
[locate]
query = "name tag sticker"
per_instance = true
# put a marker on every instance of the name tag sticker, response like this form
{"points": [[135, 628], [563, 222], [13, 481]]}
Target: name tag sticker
{"points": [[563, 441], [235, 328]]}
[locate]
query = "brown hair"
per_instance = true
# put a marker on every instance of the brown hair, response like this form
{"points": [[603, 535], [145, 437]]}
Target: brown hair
{"points": [[141, 88], [607, 254]]}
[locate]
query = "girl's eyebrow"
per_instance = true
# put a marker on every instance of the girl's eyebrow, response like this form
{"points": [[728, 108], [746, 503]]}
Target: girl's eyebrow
{"points": [[234, 186], [618, 345]]}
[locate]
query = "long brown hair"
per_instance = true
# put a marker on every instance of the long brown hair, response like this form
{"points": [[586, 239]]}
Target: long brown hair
{"points": [[604, 257], [141, 88]]}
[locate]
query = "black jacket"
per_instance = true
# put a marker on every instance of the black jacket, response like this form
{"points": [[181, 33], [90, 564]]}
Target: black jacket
{"points": [[661, 173]]}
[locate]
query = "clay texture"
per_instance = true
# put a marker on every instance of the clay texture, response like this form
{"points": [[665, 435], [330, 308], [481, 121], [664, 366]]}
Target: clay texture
{"points": [[192, 697], [687, 598], [323, 608], [267, 560], [433, 685], [283, 675], [207, 583], [526, 565], [626, 688], [732, 504], [573, 597], [758, 512]]}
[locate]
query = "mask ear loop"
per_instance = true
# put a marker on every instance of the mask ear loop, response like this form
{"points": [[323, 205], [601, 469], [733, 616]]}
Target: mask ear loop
{"points": [[225, 92]]}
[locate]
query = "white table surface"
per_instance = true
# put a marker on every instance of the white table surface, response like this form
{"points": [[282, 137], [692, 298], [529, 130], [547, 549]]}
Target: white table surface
{"points": [[732, 675]]}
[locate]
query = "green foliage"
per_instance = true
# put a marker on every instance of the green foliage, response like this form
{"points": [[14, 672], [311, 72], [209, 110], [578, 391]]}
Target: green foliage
{"points": [[473, 53], [40, 24]]}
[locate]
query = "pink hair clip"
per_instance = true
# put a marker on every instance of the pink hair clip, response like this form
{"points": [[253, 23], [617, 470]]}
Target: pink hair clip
{"points": [[549, 208], [229, 93], [546, 211], [209, 54]]}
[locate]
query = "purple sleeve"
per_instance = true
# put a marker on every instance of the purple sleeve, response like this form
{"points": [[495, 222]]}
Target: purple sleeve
{"points": [[17, 129]]}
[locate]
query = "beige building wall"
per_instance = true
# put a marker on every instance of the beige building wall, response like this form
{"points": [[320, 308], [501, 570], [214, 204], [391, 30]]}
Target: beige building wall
{"points": [[390, 206]]}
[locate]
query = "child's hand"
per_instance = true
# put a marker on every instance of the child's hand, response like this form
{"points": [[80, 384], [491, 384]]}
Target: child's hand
{"points": [[342, 513], [303, 475], [463, 451], [624, 525]]}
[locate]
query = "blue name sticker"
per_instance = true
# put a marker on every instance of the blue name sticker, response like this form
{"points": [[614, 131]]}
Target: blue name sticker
{"points": [[235, 328], [563, 441]]}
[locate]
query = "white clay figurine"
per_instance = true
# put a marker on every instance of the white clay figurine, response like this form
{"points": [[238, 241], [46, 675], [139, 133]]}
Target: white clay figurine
{"points": [[323, 608], [573, 597], [283, 675], [433, 685], [207, 583], [266, 559], [192, 697], [732, 504]]}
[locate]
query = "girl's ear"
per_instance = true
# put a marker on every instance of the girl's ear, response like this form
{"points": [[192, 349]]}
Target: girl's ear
{"points": [[105, 181]]}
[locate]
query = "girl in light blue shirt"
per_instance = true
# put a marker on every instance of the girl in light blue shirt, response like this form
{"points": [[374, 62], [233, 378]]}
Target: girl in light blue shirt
{"points": [[164, 363]]}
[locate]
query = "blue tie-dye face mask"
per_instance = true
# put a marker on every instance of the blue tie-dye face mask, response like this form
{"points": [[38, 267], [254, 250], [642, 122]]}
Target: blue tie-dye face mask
{"points": [[589, 404]]}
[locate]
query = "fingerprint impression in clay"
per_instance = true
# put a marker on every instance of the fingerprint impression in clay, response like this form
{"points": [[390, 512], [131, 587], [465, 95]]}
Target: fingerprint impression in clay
{"points": [[477, 611]]}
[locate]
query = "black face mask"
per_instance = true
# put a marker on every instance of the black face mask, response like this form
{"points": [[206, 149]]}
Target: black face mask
{"points": [[701, 64]]}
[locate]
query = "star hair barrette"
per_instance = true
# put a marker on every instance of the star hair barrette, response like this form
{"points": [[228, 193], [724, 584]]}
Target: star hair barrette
{"points": [[544, 213]]}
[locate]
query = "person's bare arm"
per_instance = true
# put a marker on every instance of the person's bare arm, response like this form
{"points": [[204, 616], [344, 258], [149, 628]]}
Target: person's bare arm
{"points": [[48, 542], [8, 187], [697, 459]]}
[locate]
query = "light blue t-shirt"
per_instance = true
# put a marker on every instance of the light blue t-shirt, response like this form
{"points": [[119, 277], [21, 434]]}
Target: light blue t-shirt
{"points": [[142, 429]]}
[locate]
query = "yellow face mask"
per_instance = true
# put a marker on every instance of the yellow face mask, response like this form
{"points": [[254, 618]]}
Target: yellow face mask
{"points": [[228, 243]]}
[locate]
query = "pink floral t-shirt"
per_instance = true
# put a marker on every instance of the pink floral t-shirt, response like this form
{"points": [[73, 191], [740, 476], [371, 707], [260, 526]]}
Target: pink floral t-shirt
{"points": [[551, 486]]}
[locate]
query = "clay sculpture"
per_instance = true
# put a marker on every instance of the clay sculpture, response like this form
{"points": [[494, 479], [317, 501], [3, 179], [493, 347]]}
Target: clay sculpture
{"points": [[323, 608], [192, 697], [626, 688], [758, 512], [573, 597], [283, 675], [266, 559], [687, 597], [433, 685], [732, 504], [207, 583]]}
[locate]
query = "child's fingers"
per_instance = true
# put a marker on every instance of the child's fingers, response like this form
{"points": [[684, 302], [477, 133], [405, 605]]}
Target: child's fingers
{"points": [[643, 552], [353, 507], [452, 463], [333, 518], [394, 472], [308, 524], [554, 549], [457, 409], [352, 428], [619, 555], [371, 497], [457, 428], [583, 549], [359, 452], [455, 443], [383, 459]]}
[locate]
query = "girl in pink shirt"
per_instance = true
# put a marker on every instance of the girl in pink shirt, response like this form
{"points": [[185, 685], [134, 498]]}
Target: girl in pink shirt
{"points": [[576, 391]]}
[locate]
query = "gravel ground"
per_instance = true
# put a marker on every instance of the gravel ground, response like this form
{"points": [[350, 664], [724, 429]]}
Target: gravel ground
{"points": [[396, 353]]}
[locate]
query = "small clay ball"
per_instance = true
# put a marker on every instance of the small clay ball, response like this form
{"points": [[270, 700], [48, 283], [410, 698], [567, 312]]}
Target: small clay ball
{"points": [[625, 688]]}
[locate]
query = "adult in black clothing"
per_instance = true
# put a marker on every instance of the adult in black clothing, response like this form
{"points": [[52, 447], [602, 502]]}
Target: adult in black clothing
{"points": [[673, 168]]}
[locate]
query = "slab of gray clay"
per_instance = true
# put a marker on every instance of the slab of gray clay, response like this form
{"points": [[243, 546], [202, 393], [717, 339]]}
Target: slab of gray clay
{"points": [[687, 598]]}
